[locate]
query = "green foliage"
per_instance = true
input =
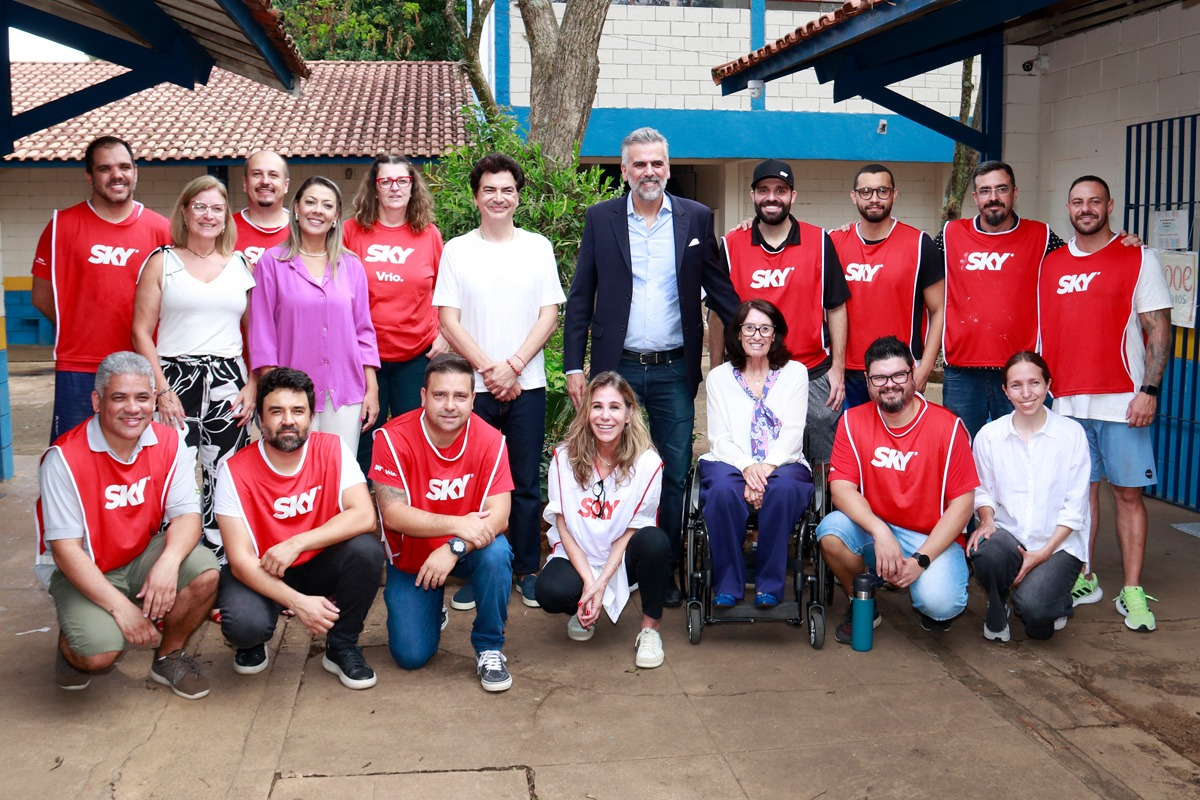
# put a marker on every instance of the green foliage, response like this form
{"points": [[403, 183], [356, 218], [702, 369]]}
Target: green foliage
{"points": [[553, 203], [369, 30]]}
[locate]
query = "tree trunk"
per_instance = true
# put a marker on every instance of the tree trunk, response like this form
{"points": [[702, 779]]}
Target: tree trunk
{"points": [[965, 158], [564, 72], [468, 42]]}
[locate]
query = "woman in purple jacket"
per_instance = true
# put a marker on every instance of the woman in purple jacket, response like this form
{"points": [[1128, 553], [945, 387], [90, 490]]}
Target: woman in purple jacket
{"points": [[310, 311]]}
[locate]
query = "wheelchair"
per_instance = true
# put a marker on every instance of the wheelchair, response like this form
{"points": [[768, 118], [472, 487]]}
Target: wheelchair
{"points": [[812, 581]]}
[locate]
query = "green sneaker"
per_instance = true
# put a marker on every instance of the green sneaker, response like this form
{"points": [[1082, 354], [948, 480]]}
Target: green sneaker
{"points": [[1131, 604], [1086, 590]]}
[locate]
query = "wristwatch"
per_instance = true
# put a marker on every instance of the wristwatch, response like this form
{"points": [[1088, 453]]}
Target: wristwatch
{"points": [[1148, 390], [459, 547], [922, 560]]}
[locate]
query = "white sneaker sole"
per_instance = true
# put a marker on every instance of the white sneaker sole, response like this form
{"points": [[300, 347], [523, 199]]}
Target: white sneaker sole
{"points": [[1003, 635], [240, 670], [1088, 599], [649, 661], [348, 682], [154, 676], [461, 606], [496, 687], [578, 633], [1124, 612]]}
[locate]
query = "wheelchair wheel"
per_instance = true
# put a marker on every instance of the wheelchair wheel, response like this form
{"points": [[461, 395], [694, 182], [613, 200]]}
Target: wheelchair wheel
{"points": [[816, 626], [695, 621]]}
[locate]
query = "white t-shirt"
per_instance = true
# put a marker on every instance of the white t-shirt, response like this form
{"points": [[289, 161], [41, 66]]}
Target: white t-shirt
{"points": [[225, 498], [1150, 294], [198, 318], [499, 287], [630, 503]]}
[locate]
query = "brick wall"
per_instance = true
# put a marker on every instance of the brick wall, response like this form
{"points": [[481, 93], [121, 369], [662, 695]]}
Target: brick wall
{"points": [[1072, 120], [662, 57]]}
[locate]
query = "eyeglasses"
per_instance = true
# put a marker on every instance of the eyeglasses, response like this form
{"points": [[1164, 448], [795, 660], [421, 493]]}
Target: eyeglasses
{"points": [[999, 191], [598, 493], [393, 183], [201, 209], [884, 192], [899, 378], [763, 330]]}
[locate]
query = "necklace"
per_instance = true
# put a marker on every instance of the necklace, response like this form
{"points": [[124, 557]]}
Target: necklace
{"points": [[197, 255], [512, 235], [604, 461], [321, 254]]}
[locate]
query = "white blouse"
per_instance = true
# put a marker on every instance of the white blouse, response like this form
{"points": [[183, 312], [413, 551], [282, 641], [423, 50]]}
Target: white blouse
{"points": [[730, 412], [1034, 488]]}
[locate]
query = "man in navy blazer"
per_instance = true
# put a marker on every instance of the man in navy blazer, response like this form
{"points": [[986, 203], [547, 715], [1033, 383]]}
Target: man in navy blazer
{"points": [[643, 260]]}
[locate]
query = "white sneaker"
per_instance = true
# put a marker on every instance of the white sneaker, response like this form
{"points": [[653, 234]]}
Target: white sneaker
{"points": [[649, 649], [1002, 635], [1060, 623], [576, 631], [445, 616]]}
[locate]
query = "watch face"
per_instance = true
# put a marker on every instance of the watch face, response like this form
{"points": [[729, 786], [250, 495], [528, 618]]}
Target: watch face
{"points": [[458, 547]]}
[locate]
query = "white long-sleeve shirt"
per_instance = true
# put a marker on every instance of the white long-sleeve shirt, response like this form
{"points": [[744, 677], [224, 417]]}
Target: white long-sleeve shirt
{"points": [[1032, 488], [730, 412]]}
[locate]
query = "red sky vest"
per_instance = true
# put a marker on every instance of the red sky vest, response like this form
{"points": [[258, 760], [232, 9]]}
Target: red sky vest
{"points": [[253, 241], [793, 280], [453, 481], [991, 291], [1086, 304], [883, 288], [123, 504], [909, 475], [277, 507]]}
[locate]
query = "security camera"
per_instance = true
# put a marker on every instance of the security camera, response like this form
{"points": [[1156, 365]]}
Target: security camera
{"points": [[1037, 66], [755, 87]]}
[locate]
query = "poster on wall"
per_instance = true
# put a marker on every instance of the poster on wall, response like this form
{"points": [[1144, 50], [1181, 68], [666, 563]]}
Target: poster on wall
{"points": [[1168, 230], [1180, 270]]}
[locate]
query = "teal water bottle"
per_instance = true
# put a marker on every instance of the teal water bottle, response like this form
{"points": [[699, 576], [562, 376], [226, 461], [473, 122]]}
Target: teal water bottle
{"points": [[862, 620]]}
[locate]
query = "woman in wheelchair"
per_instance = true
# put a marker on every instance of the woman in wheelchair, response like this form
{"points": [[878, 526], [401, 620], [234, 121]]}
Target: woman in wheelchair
{"points": [[604, 483], [757, 403]]}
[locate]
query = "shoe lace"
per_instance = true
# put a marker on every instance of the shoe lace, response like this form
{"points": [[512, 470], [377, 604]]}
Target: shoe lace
{"points": [[647, 640], [1135, 599], [182, 665], [351, 659], [492, 660]]}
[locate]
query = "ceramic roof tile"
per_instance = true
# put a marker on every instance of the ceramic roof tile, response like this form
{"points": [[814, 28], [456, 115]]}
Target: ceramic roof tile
{"points": [[346, 109], [808, 30]]}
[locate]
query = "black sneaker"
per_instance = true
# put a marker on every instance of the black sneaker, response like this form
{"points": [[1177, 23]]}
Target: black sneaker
{"points": [[845, 629], [350, 667], [931, 624], [251, 660], [493, 675]]}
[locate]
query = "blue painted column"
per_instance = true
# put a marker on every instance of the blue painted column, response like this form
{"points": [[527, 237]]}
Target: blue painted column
{"points": [[6, 435], [502, 52], [758, 34]]}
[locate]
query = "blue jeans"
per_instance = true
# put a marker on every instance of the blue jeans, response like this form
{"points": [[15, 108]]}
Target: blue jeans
{"points": [[414, 615], [856, 390], [72, 401], [666, 394], [523, 423], [722, 487], [940, 592], [400, 385], [975, 396]]}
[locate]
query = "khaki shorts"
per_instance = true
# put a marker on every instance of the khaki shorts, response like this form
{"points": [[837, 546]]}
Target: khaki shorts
{"points": [[90, 629]]}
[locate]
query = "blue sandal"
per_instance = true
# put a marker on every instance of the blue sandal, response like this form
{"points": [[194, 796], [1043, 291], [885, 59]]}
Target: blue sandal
{"points": [[724, 601], [765, 600]]}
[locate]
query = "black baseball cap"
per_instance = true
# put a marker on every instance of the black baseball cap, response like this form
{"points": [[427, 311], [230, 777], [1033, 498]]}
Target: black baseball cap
{"points": [[774, 168]]}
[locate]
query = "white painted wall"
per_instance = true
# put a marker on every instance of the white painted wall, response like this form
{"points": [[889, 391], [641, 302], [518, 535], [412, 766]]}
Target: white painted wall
{"points": [[1072, 121], [662, 57]]}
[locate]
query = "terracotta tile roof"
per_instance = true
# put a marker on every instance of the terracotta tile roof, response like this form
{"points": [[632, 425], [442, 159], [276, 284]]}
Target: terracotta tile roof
{"points": [[345, 109], [851, 8]]}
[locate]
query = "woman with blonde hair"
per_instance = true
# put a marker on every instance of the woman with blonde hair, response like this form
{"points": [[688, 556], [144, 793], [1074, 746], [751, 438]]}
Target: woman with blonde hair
{"points": [[393, 234], [604, 483], [310, 312], [195, 295]]}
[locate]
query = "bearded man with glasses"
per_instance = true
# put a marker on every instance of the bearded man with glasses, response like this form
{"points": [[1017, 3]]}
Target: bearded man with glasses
{"points": [[898, 279], [903, 481]]}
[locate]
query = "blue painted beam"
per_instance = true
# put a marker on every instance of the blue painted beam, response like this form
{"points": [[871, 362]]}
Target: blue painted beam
{"points": [[854, 73], [758, 37], [992, 102], [502, 48], [161, 32], [5, 79], [168, 66], [925, 23], [76, 103], [237, 11], [923, 115]]}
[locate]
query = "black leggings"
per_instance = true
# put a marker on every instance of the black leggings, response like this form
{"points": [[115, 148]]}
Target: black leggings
{"points": [[647, 563]]}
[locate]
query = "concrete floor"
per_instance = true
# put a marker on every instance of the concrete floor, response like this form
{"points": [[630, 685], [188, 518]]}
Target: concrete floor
{"points": [[751, 712]]}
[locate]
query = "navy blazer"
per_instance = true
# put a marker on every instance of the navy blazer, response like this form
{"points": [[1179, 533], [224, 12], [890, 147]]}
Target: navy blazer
{"points": [[602, 289]]}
